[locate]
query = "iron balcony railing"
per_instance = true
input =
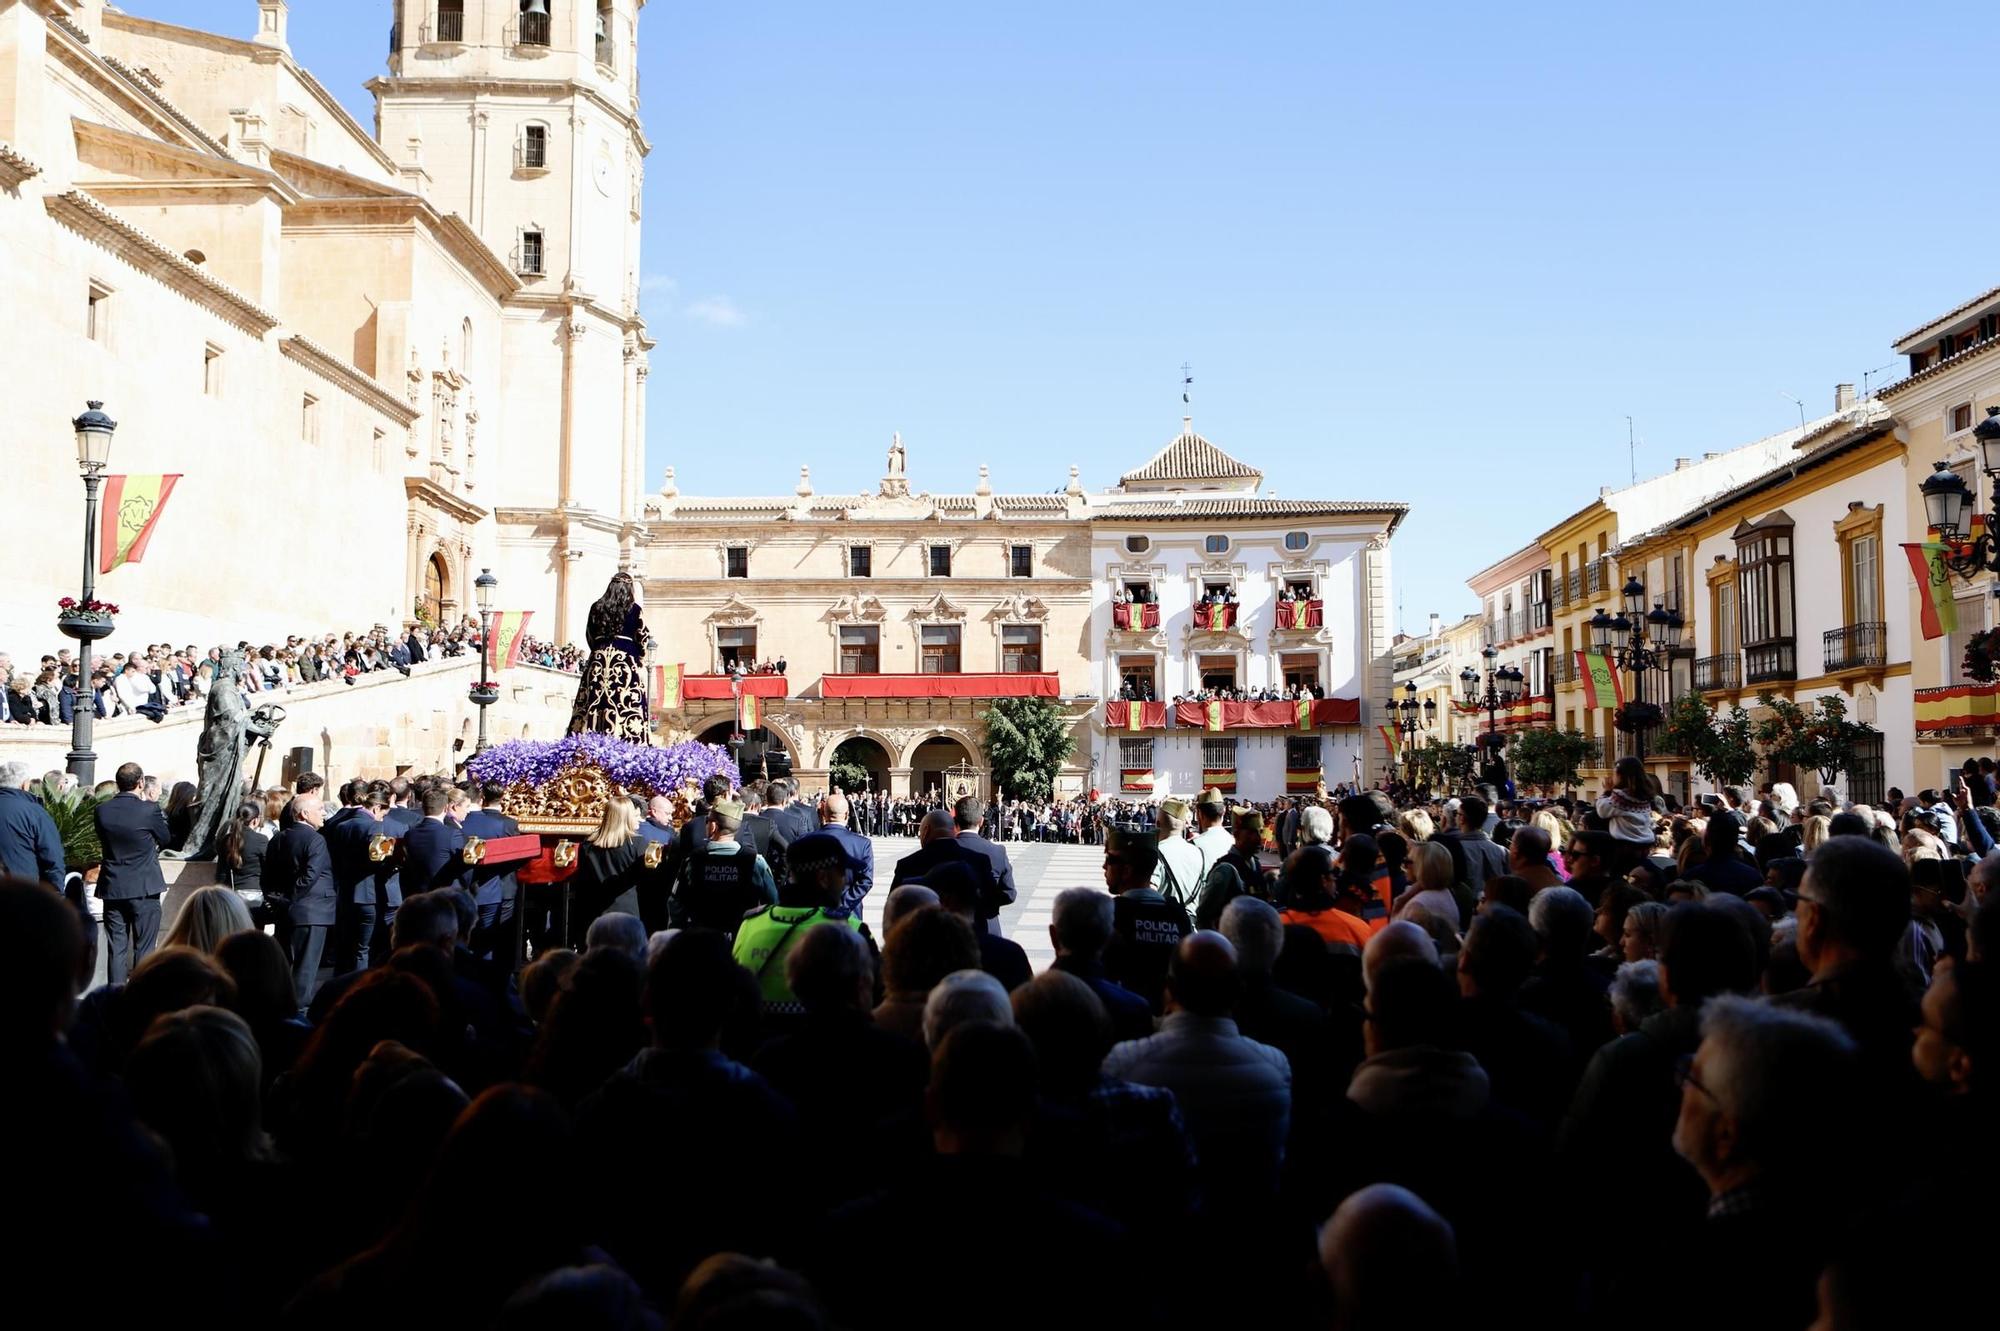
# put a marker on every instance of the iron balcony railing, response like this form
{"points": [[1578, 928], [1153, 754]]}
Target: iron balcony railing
{"points": [[1856, 646], [1718, 674], [1770, 662], [534, 30]]}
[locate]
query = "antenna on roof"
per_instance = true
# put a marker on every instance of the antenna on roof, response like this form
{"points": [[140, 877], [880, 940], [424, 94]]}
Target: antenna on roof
{"points": [[1187, 384], [1800, 404], [1866, 375], [1632, 450]]}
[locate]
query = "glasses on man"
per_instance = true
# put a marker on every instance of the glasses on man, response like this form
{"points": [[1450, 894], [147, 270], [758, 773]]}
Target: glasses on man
{"points": [[1684, 1077]]}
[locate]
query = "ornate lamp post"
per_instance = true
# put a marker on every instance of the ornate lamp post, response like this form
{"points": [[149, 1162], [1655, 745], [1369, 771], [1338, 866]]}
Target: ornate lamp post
{"points": [[1500, 688], [1411, 721], [1948, 504], [484, 692], [87, 624], [1641, 641]]}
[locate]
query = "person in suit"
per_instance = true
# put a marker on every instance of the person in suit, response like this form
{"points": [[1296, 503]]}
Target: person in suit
{"points": [[833, 820], [494, 889], [789, 822], [132, 831], [298, 867], [430, 849], [938, 846], [359, 881], [967, 815]]}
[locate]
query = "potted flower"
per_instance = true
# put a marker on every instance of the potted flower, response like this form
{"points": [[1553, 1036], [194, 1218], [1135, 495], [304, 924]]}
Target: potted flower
{"points": [[1982, 656], [1635, 717], [86, 621]]}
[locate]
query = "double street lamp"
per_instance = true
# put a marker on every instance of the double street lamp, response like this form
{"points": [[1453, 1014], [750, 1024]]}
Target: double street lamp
{"points": [[1639, 640], [1948, 505], [87, 624], [1411, 720], [484, 692], [1501, 687]]}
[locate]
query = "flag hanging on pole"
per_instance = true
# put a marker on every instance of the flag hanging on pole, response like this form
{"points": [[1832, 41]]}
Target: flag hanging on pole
{"points": [[667, 687], [1212, 716], [1305, 712], [510, 630], [1601, 685], [1389, 738], [132, 505], [749, 712], [1940, 611]]}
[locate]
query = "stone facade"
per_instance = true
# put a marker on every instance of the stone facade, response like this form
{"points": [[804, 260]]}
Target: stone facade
{"points": [[343, 345]]}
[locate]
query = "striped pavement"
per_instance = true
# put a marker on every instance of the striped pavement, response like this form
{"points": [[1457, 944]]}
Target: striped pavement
{"points": [[1041, 870]]}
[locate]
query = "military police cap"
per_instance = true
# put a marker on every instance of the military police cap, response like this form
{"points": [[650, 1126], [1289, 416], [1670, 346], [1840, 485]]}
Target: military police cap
{"points": [[727, 812], [1212, 799], [819, 850], [1250, 818], [1175, 809]]}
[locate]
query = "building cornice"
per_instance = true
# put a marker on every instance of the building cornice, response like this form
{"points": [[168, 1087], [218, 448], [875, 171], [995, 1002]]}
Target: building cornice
{"points": [[553, 89], [14, 168], [1977, 351], [1528, 559], [1902, 345], [423, 490], [93, 221], [328, 366], [215, 173], [133, 93], [456, 238]]}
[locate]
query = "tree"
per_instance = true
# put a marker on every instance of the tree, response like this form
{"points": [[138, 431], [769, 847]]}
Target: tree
{"points": [[1027, 742], [1719, 746], [849, 777], [1550, 758], [1819, 736], [1441, 764]]}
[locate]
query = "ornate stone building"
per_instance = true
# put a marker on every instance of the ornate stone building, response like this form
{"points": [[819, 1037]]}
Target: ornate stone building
{"points": [[898, 616], [322, 329]]}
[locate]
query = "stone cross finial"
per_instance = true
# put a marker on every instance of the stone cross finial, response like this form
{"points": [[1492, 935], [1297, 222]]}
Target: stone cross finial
{"points": [[805, 487], [667, 486]]}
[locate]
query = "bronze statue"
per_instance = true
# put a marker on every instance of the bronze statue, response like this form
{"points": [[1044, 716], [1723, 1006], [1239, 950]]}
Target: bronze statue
{"points": [[228, 730]]}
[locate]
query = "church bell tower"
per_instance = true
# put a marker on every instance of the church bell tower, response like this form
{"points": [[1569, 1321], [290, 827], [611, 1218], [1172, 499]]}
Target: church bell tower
{"points": [[521, 117]]}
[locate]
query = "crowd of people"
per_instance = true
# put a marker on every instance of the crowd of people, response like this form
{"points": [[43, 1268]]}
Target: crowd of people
{"points": [[1332, 1062]]}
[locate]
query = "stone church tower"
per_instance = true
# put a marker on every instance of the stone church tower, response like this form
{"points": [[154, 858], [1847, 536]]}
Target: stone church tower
{"points": [[522, 118]]}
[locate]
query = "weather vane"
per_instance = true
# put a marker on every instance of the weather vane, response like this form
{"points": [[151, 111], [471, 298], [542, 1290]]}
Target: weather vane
{"points": [[1187, 384]]}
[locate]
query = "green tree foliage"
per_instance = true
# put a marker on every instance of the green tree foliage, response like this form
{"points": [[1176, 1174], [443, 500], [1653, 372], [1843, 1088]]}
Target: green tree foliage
{"points": [[849, 777], [1550, 758], [1720, 746], [1818, 736], [1441, 765], [75, 817], [1027, 742]]}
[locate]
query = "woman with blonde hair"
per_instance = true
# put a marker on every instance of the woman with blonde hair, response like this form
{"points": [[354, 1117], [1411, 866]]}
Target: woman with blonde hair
{"points": [[1559, 831], [210, 915], [1415, 825], [608, 865], [1431, 884], [1815, 830]]}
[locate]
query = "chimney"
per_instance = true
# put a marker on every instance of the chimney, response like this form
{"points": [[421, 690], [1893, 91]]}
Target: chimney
{"points": [[1682, 464], [1843, 396], [1434, 623], [272, 19]]}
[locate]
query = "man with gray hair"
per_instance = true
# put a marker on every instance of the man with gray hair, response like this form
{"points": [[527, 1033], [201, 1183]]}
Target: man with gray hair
{"points": [[1566, 986], [1080, 927], [1766, 1108], [30, 846], [964, 996], [618, 932], [1315, 827]]}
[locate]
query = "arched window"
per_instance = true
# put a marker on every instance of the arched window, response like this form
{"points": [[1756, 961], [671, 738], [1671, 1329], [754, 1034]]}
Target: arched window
{"points": [[465, 346], [432, 601], [531, 148], [606, 45]]}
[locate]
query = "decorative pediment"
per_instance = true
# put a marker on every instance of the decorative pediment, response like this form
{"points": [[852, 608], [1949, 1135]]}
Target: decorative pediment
{"points": [[856, 610], [1020, 608], [937, 608], [733, 611]]}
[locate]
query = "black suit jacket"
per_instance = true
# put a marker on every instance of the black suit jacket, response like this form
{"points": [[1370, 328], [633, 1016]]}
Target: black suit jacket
{"points": [[357, 878], [941, 852], [1003, 871], [133, 831], [491, 886], [430, 856], [298, 868]]}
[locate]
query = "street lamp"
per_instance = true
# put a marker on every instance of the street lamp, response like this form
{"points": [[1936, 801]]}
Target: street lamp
{"points": [[1501, 687], [1949, 501], [484, 692], [93, 454], [1411, 719], [1641, 641]]}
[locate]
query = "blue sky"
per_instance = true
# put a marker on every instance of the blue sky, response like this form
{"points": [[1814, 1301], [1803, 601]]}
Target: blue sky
{"points": [[1435, 252]]}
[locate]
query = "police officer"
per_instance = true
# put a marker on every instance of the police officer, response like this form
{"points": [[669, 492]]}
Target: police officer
{"points": [[1145, 926], [767, 935], [725, 881]]}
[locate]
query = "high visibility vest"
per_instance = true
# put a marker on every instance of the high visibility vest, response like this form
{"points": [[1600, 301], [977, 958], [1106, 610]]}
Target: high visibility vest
{"points": [[767, 936]]}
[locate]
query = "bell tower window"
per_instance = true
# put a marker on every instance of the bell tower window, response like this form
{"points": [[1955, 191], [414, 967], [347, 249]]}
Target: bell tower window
{"points": [[536, 23]]}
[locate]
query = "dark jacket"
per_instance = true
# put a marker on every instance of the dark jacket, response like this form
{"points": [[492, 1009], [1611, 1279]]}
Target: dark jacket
{"points": [[133, 831], [249, 875], [298, 869], [430, 856], [1003, 872], [942, 851], [356, 877], [29, 845], [491, 885], [1131, 1016]]}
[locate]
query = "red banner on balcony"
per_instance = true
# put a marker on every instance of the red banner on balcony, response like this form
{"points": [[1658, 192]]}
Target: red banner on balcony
{"points": [[1266, 715], [1135, 614], [1300, 614], [1135, 716], [1957, 707], [714, 688], [1215, 615], [941, 686]]}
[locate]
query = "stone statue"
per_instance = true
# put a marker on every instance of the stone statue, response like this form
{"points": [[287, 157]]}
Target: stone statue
{"points": [[897, 458], [228, 730]]}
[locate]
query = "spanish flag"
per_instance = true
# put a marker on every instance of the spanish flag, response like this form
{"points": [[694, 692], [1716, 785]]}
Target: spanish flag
{"points": [[1305, 706], [1940, 612], [1212, 716], [1221, 778], [1135, 778], [1301, 780], [1601, 685], [510, 628], [132, 504], [749, 711], [1389, 738], [667, 687]]}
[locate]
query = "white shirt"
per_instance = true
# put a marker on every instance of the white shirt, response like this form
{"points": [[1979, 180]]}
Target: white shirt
{"points": [[134, 691]]}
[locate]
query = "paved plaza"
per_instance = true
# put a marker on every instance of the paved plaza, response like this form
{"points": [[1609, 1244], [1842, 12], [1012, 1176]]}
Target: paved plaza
{"points": [[1041, 870]]}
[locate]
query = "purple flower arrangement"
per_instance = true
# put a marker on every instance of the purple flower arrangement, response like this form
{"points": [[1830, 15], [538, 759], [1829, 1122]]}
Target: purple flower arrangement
{"points": [[637, 767]]}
